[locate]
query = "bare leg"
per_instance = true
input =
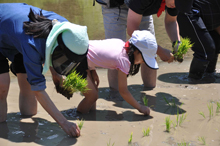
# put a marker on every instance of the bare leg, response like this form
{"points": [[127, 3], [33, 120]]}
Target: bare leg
{"points": [[27, 100], [89, 102], [113, 79], [4, 87], [148, 76]]}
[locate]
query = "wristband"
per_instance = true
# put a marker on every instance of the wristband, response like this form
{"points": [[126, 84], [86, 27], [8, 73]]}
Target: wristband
{"points": [[173, 44]]}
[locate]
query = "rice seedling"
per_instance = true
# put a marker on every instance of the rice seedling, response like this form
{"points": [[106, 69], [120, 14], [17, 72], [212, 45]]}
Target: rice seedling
{"points": [[74, 83], [145, 100], [182, 118], [168, 123], [182, 49], [130, 139], [166, 101], [146, 132], [218, 107], [174, 124], [80, 123], [173, 103], [183, 143], [210, 107], [177, 117], [201, 113], [202, 140], [109, 143]]}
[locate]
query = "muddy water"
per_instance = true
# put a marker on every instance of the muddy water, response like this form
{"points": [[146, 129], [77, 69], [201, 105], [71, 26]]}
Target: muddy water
{"points": [[113, 121]]}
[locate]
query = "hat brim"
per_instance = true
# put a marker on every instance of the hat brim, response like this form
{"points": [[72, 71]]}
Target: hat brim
{"points": [[150, 61]]}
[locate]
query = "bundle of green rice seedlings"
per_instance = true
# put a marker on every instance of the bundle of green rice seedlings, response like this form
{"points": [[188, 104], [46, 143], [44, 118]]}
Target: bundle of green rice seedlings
{"points": [[182, 49], [73, 83]]}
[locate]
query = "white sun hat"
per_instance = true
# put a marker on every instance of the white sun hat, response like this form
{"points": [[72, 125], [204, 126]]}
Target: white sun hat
{"points": [[146, 43]]}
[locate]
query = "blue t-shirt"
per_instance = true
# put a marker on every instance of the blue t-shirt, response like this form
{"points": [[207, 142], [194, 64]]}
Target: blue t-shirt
{"points": [[14, 40]]}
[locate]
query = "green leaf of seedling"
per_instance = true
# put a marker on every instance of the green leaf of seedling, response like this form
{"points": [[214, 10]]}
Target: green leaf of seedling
{"points": [[183, 48], [130, 139]]}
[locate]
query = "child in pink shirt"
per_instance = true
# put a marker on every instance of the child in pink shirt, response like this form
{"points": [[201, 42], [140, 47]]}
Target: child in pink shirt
{"points": [[126, 58]]}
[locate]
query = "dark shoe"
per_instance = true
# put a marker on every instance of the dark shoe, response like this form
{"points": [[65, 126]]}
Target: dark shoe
{"points": [[197, 68], [212, 65]]}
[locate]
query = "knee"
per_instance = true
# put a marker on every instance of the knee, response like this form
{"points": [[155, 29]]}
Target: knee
{"points": [[94, 95]]}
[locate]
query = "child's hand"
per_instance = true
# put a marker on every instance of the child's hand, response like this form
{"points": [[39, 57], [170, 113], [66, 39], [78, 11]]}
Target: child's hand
{"points": [[165, 54], [145, 110]]}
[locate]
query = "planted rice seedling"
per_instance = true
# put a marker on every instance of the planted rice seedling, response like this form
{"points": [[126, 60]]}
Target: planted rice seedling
{"points": [[218, 107], [109, 143], [80, 123], [174, 124], [145, 100], [182, 118], [74, 83], [182, 49], [166, 101], [183, 143], [210, 107], [130, 139], [177, 117], [168, 123], [146, 132], [201, 113], [202, 140]]}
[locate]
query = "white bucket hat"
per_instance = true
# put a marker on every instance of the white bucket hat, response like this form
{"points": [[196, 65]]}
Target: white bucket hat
{"points": [[74, 38], [146, 43]]}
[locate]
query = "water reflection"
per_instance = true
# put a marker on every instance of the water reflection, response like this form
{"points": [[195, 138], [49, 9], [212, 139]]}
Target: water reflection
{"points": [[18, 129]]}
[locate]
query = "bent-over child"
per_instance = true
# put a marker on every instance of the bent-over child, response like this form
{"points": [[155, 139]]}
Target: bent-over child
{"points": [[126, 57]]}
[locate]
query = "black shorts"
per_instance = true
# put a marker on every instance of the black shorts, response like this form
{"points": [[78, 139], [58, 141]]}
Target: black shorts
{"points": [[17, 66]]}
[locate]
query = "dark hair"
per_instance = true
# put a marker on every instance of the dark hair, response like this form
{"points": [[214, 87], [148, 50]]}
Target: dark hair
{"points": [[134, 68], [38, 26]]}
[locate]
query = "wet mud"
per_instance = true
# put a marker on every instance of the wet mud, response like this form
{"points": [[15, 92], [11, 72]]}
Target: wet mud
{"points": [[114, 120]]}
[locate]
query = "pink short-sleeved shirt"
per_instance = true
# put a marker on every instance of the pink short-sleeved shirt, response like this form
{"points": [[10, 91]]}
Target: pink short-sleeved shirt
{"points": [[108, 53]]}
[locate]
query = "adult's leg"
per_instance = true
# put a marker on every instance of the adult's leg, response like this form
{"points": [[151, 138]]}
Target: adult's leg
{"points": [[192, 26], [212, 64], [4, 87], [115, 27], [27, 100], [148, 75]]}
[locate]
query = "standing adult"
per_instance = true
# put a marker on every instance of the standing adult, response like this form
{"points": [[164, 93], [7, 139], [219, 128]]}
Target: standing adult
{"points": [[121, 16], [199, 20], [36, 42]]}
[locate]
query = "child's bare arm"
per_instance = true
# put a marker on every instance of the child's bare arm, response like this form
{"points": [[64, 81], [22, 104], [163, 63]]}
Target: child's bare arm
{"points": [[122, 85], [95, 77]]}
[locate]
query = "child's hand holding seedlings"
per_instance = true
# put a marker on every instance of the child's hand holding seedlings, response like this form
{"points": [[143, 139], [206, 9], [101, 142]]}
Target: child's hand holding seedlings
{"points": [[165, 54], [181, 48]]}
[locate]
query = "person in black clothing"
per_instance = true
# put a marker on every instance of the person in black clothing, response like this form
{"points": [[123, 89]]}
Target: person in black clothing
{"points": [[199, 20]]}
